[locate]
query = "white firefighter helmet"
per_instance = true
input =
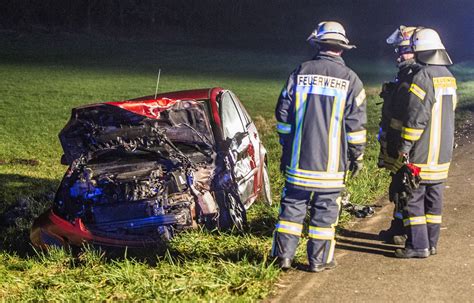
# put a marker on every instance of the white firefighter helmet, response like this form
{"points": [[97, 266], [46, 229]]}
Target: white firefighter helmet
{"points": [[428, 47], [330, 33]]}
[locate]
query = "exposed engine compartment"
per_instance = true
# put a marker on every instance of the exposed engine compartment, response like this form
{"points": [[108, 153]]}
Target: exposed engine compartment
{"points": [[137, 192]]}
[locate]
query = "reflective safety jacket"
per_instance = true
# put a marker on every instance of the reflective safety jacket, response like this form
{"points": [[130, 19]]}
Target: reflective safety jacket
{"points": [[426, 123], [321, 116]]}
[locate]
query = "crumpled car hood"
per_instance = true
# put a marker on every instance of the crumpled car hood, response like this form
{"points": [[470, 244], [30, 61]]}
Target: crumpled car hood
{"points": [[129, 124]]}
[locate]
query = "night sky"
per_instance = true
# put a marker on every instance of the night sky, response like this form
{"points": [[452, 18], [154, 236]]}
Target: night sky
{"points": [[281, 25]]}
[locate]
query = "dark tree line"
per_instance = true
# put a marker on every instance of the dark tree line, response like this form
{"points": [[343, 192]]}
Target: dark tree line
{"points": [[368, 22], [149, 15]]}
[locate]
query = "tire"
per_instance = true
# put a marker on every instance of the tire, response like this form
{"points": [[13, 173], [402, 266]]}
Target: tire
{"points": [[237, 213], [233, 215], [266, 188]]}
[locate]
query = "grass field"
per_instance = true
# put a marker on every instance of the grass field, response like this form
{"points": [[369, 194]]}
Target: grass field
{"points": [[40, 85]]}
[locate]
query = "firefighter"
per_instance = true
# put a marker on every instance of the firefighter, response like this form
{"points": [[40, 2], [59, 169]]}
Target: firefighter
{"points": [[321, 116], [389, 126], [424, 117]]}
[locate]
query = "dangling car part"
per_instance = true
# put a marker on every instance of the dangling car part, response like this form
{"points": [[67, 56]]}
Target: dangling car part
{"points": [[143, 169], [357, 210], [405, 180]]}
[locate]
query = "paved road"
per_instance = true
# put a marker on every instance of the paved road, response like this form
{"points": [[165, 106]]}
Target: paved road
{"points": [[367, 272]]}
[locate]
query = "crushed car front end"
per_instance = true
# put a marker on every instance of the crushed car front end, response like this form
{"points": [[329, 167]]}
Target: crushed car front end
{"points": [[138, 172]]}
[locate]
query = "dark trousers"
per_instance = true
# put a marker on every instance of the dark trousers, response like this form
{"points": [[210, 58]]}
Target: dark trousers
{"points": [[422, 216], [396, 226], [324, 214]]}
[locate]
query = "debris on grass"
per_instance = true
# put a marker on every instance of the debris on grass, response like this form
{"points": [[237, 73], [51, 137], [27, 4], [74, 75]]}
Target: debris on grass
{"points": [[19, 161]]}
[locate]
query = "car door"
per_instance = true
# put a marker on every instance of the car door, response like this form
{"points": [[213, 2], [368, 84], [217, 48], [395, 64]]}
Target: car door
{"points": [[241, 147], [258, 151]]}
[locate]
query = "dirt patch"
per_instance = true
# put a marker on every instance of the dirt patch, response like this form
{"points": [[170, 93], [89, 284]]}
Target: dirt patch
{"points": [[464, 131]]}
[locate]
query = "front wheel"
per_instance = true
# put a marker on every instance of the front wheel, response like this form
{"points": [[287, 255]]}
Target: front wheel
{"points": [[237, 212], [232, 213]]}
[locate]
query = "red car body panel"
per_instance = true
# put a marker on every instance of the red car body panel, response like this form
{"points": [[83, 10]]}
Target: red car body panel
{"points": [[150, 106], [50, 227]]}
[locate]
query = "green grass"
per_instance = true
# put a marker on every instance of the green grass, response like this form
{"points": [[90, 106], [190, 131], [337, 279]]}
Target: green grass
{"points": [[40, 85]]}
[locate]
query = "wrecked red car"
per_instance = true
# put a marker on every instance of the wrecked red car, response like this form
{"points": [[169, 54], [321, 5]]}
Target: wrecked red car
{"points": [[143, 169]]}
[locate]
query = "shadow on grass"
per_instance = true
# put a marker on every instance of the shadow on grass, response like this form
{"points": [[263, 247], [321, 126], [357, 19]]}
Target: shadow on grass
{"points": [[22, 199], [262, 225], [171, 253]]}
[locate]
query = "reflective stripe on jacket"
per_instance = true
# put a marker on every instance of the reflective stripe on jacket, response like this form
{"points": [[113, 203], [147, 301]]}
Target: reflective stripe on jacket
{"points": [[321, 116]]}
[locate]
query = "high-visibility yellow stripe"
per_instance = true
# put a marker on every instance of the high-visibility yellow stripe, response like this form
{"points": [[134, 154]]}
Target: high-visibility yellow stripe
{"points": [[433, 176], [332, 247], [414, 221], [288, 227], [444, 82], [434, 172], [413, 130], [338, 202], [412, 134], [360, 98], [434, 167], [288, 231], [415, 89], [435, 129], [333, 155], [314, 175], [410, 137], [433, 219], [299, 116], [291, 224], [321, 233], [322, 184], [330, 256], [439, 117], [358, 137]]}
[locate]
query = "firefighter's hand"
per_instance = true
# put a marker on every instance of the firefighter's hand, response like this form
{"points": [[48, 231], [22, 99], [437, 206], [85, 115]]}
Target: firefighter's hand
{"points": [[355, 167]]}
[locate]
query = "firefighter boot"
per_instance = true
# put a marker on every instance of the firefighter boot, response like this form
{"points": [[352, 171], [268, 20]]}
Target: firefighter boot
{"points": [[412, 253], [322, 266], [284, 263]]}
